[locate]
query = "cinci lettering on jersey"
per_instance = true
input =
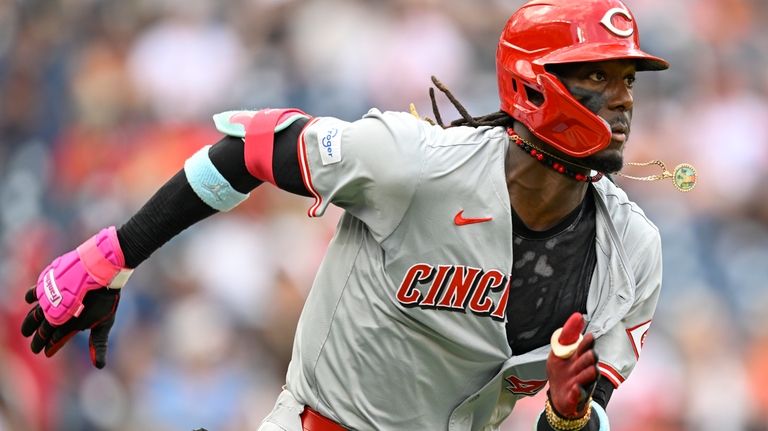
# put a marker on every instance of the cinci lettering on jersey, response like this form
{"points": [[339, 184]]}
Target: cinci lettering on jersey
{"points": [[455, 288]]}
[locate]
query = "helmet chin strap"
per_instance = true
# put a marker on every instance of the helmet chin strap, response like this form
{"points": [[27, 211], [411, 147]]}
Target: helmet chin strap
{"points": [[683, 176]]}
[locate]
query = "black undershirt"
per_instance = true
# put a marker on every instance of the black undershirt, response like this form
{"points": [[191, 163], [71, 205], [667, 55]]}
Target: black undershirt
{"points": [[551, 274], [554, 269]]}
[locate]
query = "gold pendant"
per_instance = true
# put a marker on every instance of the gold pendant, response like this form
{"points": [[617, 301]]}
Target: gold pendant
{"points": [[684, 177]]}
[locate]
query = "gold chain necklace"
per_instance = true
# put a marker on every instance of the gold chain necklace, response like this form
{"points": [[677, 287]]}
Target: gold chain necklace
{"points": [[683, 177]]}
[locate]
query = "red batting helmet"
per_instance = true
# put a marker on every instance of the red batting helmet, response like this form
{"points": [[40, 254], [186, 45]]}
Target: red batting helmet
{"points": [[545, 32]]}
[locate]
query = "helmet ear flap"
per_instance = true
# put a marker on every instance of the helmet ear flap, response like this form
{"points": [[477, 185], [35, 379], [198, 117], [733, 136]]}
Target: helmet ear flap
{"points": [[565, 123], [527, 98], [548, 109], [534, 96]]}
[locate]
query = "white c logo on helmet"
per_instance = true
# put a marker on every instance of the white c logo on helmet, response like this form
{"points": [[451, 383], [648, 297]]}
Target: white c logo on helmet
{"points": [[607, 21]]}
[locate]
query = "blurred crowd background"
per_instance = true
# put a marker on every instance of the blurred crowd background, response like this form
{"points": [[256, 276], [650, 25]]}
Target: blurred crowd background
{"points": [[101, 101]]}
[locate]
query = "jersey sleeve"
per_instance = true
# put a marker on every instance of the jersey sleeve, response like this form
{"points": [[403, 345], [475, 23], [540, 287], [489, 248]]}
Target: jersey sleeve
{"points": [[619, 348], [369, 167]]}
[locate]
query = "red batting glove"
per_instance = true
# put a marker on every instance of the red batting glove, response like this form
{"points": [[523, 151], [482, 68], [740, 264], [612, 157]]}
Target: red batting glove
{"points": [[572, 379]]}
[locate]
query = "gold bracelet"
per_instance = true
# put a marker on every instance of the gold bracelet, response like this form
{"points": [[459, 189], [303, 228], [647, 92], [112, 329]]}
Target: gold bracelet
{"points": [[559, 423]]}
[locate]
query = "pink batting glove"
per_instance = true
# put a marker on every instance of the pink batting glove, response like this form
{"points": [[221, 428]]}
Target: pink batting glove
{"points": [[97, 263]]}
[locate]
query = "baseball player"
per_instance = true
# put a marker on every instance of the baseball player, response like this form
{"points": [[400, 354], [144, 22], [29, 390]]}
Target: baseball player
{"points": [[461, 253]]}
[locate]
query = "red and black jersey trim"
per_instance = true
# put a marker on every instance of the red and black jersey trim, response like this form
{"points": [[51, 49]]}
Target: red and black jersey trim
{"points": [[610, 373], [306, 173]]}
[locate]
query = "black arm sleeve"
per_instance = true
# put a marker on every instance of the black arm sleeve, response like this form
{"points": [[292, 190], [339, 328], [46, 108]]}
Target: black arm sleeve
{"points": [[601, 395], [175, 206], [169, 211], [603, 392]]}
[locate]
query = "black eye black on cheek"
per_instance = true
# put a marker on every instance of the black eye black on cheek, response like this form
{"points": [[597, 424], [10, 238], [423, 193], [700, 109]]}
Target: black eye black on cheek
{"points": [[591, 99]]}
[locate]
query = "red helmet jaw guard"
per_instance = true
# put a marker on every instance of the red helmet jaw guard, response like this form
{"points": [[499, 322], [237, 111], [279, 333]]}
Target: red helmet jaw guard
{"points": [[560, 121], [556, 32]]}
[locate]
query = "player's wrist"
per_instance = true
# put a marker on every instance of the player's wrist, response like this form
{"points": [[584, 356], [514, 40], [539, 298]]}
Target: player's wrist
{"points": [[103, 259], [560, 422]]}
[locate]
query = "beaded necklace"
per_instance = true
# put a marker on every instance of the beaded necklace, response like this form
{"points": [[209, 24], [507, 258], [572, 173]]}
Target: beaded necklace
{"points": [[553, 162], [683, 177]]}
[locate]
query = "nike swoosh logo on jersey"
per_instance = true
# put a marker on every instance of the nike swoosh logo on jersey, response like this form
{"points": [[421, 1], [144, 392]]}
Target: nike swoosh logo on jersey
{"points": [[460, 220]]}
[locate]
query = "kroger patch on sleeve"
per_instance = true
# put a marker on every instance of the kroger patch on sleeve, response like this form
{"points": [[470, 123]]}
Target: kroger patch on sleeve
{"points": [[329, 140]]}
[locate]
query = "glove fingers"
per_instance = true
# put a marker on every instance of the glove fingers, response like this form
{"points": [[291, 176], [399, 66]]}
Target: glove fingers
{"points": [[572, 329], [586, 376], [59, 338], [586, 343], [585, 360], [41, 337], [97, 342], [582, 406], [31, 295], [32, 321]]}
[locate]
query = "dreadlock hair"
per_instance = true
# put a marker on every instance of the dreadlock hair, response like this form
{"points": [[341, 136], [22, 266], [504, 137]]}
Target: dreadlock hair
{"points": [[499, 118]]}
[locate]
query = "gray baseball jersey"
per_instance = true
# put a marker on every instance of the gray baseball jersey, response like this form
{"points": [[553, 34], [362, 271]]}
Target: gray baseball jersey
{"points": [[404, 328]]}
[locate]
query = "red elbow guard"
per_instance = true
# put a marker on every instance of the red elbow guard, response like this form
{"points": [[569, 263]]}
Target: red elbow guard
{"points": [[260, 128]]}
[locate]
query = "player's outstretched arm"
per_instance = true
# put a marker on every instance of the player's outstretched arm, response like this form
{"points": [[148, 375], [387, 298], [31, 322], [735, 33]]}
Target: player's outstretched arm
{"points": [[80, 290], [572, 373]]}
